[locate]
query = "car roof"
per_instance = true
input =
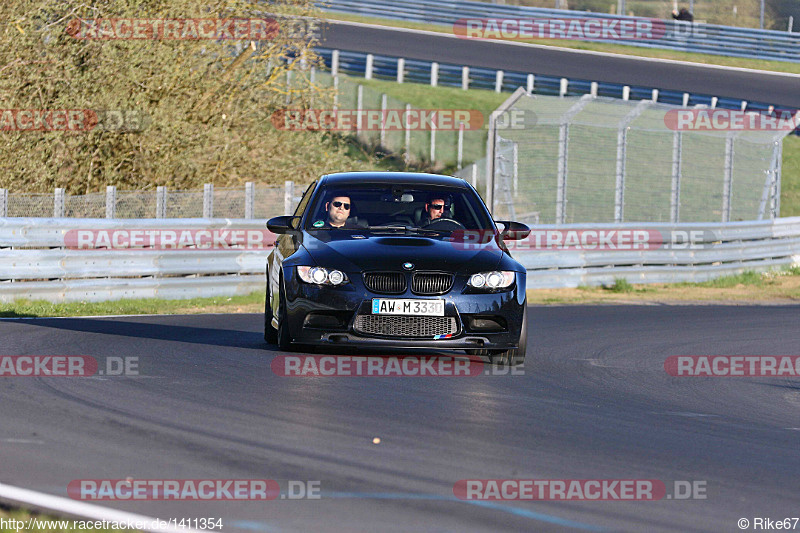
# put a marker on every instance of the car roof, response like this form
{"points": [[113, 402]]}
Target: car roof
{"points": [[391, 178]]}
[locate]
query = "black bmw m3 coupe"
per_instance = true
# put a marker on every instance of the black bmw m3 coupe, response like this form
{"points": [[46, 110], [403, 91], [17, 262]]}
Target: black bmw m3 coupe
{"points": [[396, 260]]}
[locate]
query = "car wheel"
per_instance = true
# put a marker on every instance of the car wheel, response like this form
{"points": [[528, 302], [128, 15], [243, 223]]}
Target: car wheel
{"points": [[514, 356], [270, 333], [284, 339]]}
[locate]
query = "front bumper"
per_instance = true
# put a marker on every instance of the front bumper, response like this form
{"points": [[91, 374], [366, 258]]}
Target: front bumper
{"points": [[339, 306]]}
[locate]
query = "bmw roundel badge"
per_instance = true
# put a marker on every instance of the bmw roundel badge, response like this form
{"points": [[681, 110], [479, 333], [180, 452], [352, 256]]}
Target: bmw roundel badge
{"points": [[408, 266]]}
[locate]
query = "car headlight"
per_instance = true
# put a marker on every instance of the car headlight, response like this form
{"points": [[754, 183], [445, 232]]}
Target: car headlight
{"points": [[321, 276], [491, 280]]}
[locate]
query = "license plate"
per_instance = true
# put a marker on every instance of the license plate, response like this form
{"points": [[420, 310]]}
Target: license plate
{"points": [[396, 306]]}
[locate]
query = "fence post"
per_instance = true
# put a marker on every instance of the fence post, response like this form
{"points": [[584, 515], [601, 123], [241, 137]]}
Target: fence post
{"points": [[654, 95], [593, 89], [288, 197], [714, 101], [111, 201], [622, 157], [744, 105], [563, 87], [776, 179], [626, 92], [359, 107], [407, 140], [335, 93], [434, 74], [384, 105], [161, 202], [401, 70], [498, 82], [675, 197], [530, 83], [3, 202], [58, 203], [335, 63], [460, 157], [433, 144], [249, 199], [368, 67], [727, 184], [208, 200], [464, 78], [563, 157], [288, 98], [685, 99]]}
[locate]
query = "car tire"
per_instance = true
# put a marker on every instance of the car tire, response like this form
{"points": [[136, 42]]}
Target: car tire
{"points": [[515, 356], [284, 338], [270, 333]]}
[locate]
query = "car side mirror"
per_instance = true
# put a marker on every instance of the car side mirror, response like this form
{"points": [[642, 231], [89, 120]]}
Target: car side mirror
{"points": [[513, 231], [283, 224]]}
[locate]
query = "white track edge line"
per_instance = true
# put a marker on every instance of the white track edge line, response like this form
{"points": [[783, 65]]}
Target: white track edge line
{"points": [[46, 502], [571, 50]]}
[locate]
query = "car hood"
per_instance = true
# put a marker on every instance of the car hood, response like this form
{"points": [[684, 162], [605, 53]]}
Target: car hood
{"points": [[351, 252]]}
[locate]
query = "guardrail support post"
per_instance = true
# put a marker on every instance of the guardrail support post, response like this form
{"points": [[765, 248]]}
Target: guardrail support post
{"points": [[685, 99], [111, 201], [593, 89], [288, 99], [714, 101], [208, 200], [654, 96], [401, 69], [3, 202], [530, 83], [626, 92], [335, 63], [249, 199], [563, 87], [434, 74], [288, 196], [335, 93], [498, 81], [161, 202], [744, 105], [58, 203], [464, 78], [368, 67], [433, 144]]}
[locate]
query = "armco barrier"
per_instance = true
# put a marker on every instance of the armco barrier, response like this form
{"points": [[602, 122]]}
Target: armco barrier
{"points": [[35, 262], [686, 37]]}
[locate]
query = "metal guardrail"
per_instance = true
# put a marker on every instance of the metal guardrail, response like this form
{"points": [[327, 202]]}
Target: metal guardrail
{"points": [[36, 261], [683, 36], [419, 71], [37, 264]]}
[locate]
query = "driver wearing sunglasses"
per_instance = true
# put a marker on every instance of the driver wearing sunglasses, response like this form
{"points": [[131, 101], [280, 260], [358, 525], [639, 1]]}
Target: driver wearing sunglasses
{"points": [[433, 209], [338, 209]]}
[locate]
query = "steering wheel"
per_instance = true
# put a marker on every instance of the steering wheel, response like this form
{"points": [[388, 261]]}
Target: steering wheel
{"points": [[444, 224]]}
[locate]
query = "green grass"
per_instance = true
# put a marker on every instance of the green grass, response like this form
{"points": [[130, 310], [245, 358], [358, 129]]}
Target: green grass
{"points": [[776, 66], [38, 308], [790, 177], [7, 513], [620, 285]]}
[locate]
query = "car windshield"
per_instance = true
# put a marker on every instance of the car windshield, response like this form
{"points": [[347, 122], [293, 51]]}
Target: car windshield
{"points": [[398, 208]]}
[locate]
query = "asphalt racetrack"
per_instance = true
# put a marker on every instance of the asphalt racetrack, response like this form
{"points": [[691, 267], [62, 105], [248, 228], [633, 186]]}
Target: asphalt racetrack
{"points": [[594, 402], [756, 86]]}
